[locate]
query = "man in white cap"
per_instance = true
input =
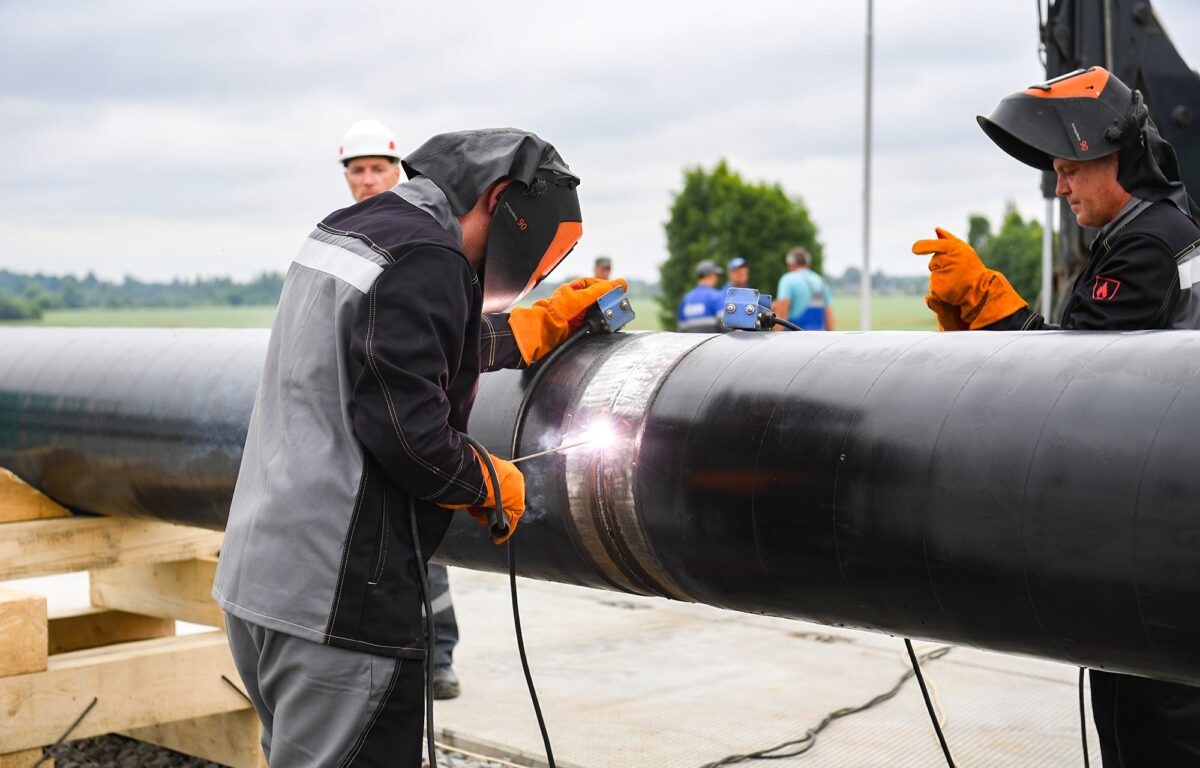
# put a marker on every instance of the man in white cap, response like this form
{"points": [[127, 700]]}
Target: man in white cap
{"points": [[372, 161]]}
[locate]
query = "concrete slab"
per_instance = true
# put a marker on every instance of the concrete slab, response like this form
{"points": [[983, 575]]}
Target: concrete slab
{"points": [[631, 681]]}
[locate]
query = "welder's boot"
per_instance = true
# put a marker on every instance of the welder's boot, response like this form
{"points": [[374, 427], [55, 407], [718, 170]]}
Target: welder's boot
{"points": [[445, 683]]}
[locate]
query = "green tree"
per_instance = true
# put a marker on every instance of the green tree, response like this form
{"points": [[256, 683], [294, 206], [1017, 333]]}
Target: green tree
{"points": [[979, 231], [720, 216], [14, 308], [1015, 250]]}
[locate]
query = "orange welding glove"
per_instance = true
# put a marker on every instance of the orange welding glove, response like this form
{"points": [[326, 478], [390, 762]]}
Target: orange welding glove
{"points": [[948, 316], [549, 322], [957, 277], [512, 493]]}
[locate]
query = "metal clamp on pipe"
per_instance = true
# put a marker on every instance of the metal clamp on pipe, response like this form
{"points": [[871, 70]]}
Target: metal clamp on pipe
{"points": [[747, 310], [610, 313]]}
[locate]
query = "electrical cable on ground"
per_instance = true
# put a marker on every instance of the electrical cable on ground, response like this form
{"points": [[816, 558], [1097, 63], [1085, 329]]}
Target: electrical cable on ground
{"points": [[240, 692], [512, 584], [485, 456], [916, 665], [809, 739], [49, 753], [1087, 762], [786, 324], [430, 630], [537, 708]]}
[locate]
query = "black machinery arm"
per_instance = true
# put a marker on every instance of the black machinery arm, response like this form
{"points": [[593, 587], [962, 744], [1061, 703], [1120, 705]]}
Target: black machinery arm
{"points": [[1029, 493]]}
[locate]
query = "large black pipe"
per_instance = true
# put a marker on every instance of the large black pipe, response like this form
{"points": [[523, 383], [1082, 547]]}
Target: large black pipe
{"points": [[1032, 493]]}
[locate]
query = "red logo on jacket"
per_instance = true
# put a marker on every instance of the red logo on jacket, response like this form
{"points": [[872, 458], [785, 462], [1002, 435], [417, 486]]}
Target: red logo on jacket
{"points": [[1105, 288]]}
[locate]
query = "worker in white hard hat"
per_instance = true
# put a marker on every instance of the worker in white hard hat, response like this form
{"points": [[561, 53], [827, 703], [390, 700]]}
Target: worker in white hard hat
{"points": [[372, 161]]}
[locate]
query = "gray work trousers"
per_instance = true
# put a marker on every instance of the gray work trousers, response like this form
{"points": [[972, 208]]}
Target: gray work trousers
{"points": [[444, 622], [325, 706]]}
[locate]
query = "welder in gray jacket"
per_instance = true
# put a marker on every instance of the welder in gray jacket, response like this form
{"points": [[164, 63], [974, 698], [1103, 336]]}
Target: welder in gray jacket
{"points": [[372, 367], [1120, 176]]}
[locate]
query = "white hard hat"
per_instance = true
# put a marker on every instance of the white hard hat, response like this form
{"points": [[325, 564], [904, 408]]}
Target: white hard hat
{"points": [[368, 138]]}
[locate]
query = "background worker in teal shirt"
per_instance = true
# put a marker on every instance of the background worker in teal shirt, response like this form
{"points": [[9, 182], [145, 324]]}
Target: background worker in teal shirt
{"points": [[803, 296]]}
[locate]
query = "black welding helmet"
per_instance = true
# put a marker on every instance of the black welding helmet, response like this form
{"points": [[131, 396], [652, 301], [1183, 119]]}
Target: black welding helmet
{"points": [[1086, 115], [537, 219]]}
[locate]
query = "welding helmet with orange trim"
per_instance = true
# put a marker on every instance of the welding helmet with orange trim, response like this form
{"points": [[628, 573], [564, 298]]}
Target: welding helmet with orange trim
{"points": [[1079, 116], [537, 220], [1086, 115]]}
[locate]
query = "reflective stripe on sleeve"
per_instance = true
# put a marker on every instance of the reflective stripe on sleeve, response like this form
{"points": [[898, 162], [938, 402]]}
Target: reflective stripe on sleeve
{"points": [[1189, 273], [342, 264]]}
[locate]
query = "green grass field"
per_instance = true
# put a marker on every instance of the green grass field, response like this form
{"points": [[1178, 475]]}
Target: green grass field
{"points": [[896, 312]]}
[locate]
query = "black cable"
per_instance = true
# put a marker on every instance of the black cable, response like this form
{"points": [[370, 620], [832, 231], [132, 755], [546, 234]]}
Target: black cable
{"points": [[240, 692], [430, 630], [49, 753], [537, 708], [512, 584], [809, 739], [786, 324], [916, 665], [1083, 722]]}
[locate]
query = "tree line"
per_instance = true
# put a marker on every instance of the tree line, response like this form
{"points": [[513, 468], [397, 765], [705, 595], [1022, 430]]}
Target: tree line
{"points": [[718, 215], [26, 297]]}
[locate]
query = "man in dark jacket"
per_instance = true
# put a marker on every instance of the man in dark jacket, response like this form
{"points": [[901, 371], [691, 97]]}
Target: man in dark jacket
{"points": [[1118, 175], [355, 438]]}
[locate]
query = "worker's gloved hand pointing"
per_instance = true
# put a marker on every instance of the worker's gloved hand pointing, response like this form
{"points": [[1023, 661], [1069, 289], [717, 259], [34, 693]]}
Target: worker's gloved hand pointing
{"points": [[549, 322], [959, 281], [512, 494]]}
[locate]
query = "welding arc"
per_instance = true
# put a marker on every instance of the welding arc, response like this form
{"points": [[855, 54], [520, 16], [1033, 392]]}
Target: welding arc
{"points": [[559, 449]]}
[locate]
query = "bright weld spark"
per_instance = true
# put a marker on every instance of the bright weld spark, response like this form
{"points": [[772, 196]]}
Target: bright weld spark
{"points": [[600, 434]]}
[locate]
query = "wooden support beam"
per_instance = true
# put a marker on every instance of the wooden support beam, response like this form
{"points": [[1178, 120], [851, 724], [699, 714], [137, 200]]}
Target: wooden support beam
{"points": [[42, 547], [180, 590], [24, 759], [231, 738], [90, 627], [135, 685], [21, 501], [22, 633]]}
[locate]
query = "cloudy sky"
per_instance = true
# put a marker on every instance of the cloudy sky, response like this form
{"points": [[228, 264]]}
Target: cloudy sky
{"points": [[199, 137]]}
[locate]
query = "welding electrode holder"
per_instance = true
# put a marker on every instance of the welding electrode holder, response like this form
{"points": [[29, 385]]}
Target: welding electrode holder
{"points": [[497, 520]]}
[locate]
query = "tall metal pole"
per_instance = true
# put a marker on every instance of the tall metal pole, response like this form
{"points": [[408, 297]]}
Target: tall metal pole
{"points": [[865, 285]]}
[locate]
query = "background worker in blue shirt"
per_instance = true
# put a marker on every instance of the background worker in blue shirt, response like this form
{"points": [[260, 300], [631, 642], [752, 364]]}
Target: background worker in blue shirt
{"points": [[804, 297], [701, 308], [739, 274]]}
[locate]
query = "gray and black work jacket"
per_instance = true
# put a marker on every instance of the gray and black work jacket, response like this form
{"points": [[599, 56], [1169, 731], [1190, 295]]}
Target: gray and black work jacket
{"points": [[1143, 274], [371, 371]]}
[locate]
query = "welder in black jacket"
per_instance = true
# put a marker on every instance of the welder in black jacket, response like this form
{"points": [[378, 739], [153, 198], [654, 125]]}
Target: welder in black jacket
{"points": [[1119, 175], [389, 314]]}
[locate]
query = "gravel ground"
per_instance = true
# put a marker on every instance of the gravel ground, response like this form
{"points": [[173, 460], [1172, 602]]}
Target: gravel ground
{"points": [[113, 751]]}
